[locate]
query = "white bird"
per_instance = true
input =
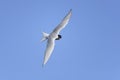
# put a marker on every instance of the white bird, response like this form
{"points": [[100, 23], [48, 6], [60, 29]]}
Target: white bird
{"points": [[54, 36]]}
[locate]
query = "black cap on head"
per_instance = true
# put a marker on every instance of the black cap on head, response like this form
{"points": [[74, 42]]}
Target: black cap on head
{"points": [[59, 37]]}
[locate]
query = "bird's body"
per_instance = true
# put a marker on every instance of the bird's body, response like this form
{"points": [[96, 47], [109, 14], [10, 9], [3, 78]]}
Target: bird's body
{"points": [[54, 36]]}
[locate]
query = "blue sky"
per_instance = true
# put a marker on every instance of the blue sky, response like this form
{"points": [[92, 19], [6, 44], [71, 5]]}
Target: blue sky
{"points": [[89, 48]]}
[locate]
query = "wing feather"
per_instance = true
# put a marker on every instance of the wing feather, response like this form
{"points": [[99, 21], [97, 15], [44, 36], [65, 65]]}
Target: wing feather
{"points": [[63, 23], [49, 50]]}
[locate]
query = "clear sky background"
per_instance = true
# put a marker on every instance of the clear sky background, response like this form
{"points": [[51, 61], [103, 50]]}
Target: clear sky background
{"points": [[89, 48]]}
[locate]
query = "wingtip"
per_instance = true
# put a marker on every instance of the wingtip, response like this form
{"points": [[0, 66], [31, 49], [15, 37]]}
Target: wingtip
{"points": [[70, 12], [43, 63]]}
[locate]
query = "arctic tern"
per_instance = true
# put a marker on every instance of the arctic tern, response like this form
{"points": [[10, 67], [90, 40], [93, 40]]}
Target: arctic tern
{"points": [[54, 36]]}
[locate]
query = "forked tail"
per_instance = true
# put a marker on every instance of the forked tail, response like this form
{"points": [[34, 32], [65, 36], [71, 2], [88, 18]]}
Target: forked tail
{"points": [[45, 36]]}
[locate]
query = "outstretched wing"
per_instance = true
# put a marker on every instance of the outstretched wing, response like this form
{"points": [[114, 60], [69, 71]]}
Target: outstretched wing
{"points": [[63, 23], [49, 50]]}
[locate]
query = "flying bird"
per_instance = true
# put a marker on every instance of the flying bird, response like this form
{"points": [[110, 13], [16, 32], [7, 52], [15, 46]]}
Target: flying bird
{"points": [[54, 35]]}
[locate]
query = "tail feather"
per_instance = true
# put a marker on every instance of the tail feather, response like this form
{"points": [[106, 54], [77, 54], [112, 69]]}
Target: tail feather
{"points": [[45, 36]]}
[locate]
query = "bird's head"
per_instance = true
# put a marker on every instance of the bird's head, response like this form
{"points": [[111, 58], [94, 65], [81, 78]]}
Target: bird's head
{"points": [[59, 37]]}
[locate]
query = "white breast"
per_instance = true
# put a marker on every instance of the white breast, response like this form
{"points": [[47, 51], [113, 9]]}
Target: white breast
{"points": [[53, 35]]}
